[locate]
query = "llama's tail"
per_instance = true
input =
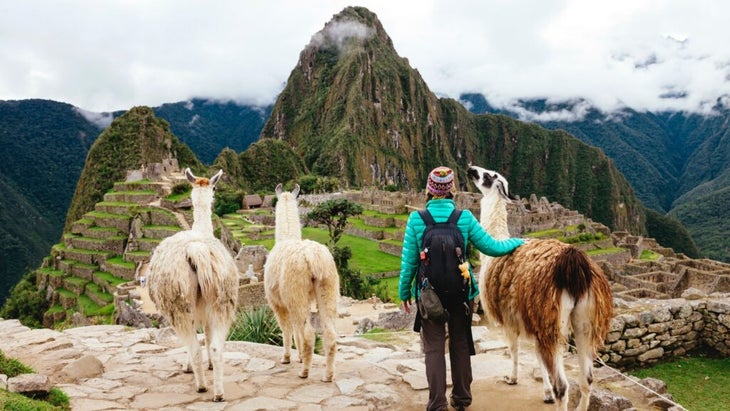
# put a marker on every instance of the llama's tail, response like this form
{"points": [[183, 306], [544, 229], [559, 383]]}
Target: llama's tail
{"points": [[216, 277], [586, 283], [321, 266], [573, 272], [320, 262]]}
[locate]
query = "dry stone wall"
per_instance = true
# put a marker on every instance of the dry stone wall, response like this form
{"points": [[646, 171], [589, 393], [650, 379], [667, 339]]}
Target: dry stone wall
{"points": [[647, 331]]}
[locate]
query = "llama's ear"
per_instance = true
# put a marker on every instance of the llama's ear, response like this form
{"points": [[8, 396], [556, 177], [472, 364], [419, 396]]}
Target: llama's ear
{"points": [[295, 192], [215, 178], [189, 175], [279, 188]]}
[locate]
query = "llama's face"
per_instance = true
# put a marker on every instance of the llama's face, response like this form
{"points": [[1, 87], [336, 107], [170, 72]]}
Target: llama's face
{"points": [[489, 182]]}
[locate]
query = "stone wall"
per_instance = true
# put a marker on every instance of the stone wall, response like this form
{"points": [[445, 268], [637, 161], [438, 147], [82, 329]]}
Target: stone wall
{"points": [[251, 295], [647, 331]]}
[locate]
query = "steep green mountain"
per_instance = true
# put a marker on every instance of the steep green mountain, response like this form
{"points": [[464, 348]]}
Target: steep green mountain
{"points": [[43, 146], [208, 126], [262, 166], [353, 108], [134, 139], [671, 159]]}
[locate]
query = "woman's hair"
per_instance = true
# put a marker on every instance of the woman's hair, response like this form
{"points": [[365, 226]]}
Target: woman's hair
{"points": [[449, 196]]}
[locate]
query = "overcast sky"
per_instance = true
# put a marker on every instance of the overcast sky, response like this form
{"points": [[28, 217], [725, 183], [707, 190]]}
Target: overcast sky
{"points": [[104, 55]]}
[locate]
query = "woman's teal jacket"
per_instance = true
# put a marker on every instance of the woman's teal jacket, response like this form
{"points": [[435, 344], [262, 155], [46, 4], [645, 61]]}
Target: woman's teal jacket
{"points": [[470, 228]]}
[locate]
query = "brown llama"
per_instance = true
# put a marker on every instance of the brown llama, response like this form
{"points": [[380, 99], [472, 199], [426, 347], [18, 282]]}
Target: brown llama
{"points": [[296, 274], [193, 281], [545, 289]]}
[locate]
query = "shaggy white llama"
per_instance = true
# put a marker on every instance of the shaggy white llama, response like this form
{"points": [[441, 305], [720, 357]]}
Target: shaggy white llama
{"points": [[544, 289], [193, 281], [298, 272]]}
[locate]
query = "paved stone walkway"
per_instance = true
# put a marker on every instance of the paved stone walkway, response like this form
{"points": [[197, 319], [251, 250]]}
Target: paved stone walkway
{"points": [[120, 368]]}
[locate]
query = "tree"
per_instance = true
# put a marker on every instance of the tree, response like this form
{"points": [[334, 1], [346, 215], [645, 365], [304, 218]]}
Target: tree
{"points": [[334, 215], [26, 302]]}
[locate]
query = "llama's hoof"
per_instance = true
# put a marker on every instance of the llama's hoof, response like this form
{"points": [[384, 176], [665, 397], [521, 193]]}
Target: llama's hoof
{"points": [[327, 378], [218, 398], [304, 374], [202, 389], [210, 366], [188, 369], [509, 380], [549, 398], [285, 360]]}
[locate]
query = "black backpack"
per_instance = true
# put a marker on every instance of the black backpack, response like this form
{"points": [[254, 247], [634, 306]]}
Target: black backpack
{"points": [[442, 250]]}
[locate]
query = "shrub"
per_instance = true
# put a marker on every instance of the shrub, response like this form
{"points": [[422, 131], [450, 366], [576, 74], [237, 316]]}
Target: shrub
{"points": [[180, 188], [227, 202], [257, 325]]}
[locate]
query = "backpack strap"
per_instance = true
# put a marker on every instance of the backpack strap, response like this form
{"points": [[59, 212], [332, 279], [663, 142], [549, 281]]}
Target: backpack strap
{"points": [[454, 217], [429, 221], [426, 217]]}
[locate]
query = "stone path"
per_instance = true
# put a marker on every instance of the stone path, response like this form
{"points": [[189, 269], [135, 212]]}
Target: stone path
{"points": [[120, 368]]}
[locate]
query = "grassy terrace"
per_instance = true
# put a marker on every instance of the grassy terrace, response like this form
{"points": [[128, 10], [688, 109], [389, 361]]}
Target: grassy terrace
{"points": [[120, 262]]}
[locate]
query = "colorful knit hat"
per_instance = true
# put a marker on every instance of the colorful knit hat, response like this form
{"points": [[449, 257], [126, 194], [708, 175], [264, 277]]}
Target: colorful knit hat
{"points": [[440, 182]]}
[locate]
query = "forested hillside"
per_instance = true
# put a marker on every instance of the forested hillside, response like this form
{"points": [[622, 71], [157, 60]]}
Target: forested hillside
{"points": [[678, 163], [44, 144]]}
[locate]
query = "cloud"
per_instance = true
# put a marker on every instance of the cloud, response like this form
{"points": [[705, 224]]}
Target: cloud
{"points": [[101, 120], [555, 111], [338, 32], [113, 55]]}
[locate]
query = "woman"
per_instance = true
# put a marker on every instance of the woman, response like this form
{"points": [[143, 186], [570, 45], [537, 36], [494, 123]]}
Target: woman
{"points": [[440, 204]]}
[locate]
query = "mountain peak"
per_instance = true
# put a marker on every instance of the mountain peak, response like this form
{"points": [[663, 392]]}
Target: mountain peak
{"points": [[352, 27]]}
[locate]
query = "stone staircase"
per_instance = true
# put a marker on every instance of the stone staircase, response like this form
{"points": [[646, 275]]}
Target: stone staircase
{"points": [[105, 249]]}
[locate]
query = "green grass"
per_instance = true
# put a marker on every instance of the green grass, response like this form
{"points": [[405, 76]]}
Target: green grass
{"points": [[56, 400], [178, 197], [605, 250], [90, 309], [649, 255], [391, 288], [92, 288], [551, 233], [107, 215], [365, 254], [697, 382], [109, 278], [119, 261]]}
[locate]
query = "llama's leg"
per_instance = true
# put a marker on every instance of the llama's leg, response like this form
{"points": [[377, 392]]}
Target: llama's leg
{"points": [[304, 335], [327, 317], [216, 339], [553, 359], [282, 317], [546, 385], [298, 343], [208, 334], [190, 339], [583, 332], [514, 346]]}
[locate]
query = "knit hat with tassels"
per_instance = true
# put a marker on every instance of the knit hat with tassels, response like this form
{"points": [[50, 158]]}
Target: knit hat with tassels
{"points": [[440, 182]]}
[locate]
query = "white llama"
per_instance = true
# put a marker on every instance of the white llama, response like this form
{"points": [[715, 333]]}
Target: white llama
{"points": [[296, 274], [545, 289], [193, 281]]}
